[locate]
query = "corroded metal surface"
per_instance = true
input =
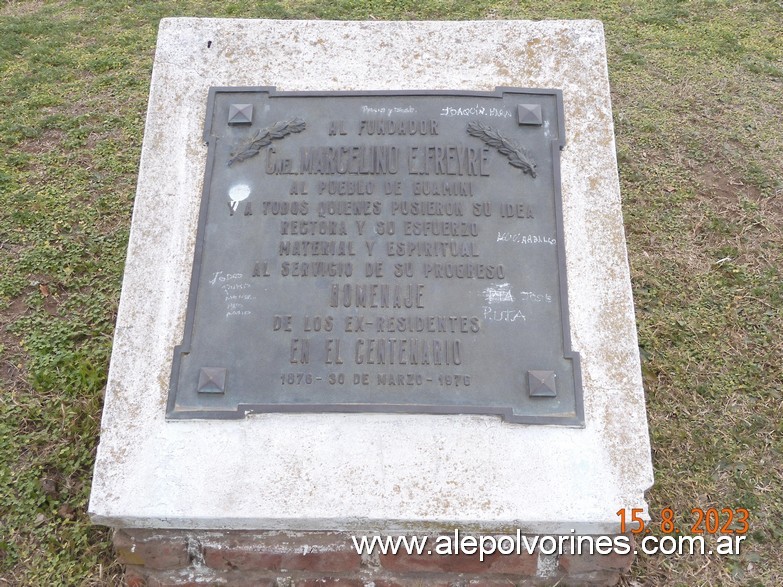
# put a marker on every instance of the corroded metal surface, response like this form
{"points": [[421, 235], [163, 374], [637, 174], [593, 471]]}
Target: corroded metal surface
{"points": [[380, 251]]}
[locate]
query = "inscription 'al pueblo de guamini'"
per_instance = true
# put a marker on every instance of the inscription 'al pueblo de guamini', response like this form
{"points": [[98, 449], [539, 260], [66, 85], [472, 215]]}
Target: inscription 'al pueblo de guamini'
{"points": [[374, 251]]}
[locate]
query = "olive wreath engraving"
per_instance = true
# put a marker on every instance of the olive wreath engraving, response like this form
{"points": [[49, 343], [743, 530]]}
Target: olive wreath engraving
{"points": [[265, 136], [516, 155]]}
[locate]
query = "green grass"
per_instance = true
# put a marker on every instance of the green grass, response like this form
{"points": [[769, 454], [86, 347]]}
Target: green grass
{"points": [[698, 103]]}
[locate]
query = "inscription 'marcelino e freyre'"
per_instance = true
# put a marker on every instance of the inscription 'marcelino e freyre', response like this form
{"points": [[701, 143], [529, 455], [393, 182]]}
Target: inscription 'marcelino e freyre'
{"points": [[380, 252]]}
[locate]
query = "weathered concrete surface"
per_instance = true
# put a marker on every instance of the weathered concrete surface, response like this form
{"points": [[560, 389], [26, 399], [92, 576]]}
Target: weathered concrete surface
{"points": [[371, 472]]}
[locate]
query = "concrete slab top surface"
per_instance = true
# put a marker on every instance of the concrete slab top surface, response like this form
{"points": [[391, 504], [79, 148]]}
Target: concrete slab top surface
{"points": [[371, 472]]}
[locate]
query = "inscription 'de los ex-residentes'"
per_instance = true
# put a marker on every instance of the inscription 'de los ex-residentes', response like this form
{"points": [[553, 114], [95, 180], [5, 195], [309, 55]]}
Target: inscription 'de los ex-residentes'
{"points": [[364, 256]]}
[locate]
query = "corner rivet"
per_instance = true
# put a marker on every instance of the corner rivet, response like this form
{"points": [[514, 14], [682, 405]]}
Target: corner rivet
{"points": [[240, 114], [212, 380], [542, 383], [529, 114]]}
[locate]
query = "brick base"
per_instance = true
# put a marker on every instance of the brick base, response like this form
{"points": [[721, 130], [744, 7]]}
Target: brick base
{"points": [[169, 558]]}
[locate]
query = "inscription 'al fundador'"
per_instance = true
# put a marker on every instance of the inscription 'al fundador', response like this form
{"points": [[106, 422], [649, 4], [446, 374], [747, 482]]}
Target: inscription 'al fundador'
{"points": [[380, 252]]}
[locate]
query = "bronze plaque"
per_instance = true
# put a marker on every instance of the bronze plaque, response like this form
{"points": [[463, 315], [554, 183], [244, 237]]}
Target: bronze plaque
{"points": [[380, 252]]}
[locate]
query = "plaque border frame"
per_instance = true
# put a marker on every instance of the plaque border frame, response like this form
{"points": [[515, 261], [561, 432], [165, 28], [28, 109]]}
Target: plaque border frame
{"points": [[575, 419]]}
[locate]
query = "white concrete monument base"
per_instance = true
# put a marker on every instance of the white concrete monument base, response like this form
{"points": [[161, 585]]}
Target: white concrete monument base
{"points": [[373, 473]]}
